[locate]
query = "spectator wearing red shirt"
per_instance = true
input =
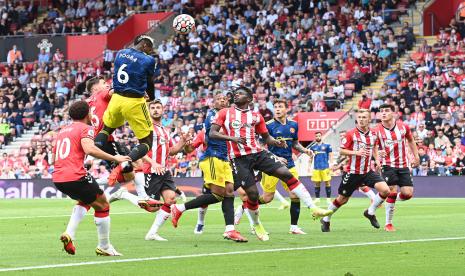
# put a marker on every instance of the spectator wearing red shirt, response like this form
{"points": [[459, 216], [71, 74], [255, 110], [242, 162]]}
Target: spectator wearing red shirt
{"points": [[364, 103]]}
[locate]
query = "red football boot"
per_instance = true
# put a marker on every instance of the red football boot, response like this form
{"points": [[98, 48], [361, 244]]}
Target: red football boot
{"points": [[68, 244], [234, 235], [150, 205], [389, 228], [175, 215]]}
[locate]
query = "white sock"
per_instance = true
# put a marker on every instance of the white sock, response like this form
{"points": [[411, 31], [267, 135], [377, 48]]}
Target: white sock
{"points": [[376, 202], [293, 227], [370, 194], [130, 197], [229, 228], [389, 212], [249, 217], [181, 207], [76, 217], [160, 219], [103, 231], [333, 208], [139, 182], [301, 192], [280, 197], [238, 213], [201, 215], [254, 215]]}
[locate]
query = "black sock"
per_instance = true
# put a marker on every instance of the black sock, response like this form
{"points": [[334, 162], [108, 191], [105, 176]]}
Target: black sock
{"points": [[138, 152], [178, 191], [295, 211], [328, 191], [101, 140], [203, 200], [317, 192], [228, 210]]}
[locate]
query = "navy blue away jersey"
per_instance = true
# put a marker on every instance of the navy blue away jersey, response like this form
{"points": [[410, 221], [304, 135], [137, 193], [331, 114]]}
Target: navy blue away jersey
{"points": [[132, 69], [215, 148], [287, 132]]}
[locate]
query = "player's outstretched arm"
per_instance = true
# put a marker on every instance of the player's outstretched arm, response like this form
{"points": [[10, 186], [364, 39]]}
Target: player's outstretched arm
{"points": [[185, 139], [298, 146], [271, 141], [91, 149], [215, 134]]}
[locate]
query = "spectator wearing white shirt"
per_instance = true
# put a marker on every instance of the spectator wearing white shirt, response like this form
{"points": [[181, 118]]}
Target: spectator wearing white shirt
{"points": [[359, 13], [272, 17], [81, 11], [421, 130], [262, 21]]}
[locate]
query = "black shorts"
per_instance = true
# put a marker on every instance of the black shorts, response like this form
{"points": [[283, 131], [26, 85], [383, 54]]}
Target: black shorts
{"points": [[394, 176], [351, 182], [85, 189], [155, 184], [243, 167]]}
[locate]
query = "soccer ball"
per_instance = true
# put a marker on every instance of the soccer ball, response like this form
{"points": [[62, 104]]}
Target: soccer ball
{"points": [[183, 24]]}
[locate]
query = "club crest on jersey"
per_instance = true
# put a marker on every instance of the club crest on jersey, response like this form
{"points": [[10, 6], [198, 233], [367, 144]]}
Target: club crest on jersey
{"points": [[162, 141], [236, 124], [389, 143], [91, 132], [292, 130], [344, 141]]}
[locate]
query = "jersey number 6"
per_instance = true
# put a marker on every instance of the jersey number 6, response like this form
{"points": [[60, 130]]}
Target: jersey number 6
{"points": [[122, 76]]}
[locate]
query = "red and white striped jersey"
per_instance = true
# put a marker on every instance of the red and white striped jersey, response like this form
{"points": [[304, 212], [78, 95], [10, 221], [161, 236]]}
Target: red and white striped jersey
{"points": [[355, 140], [241, 123], [393, 142], [162, 142]]}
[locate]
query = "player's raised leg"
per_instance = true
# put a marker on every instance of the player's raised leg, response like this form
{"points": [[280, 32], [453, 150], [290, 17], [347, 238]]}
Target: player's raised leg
{"points": [[367, 192], [132, 81], [299, 190]]}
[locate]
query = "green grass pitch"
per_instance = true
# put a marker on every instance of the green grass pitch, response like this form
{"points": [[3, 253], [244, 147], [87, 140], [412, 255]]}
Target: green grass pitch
{"points": [[29, 231]]}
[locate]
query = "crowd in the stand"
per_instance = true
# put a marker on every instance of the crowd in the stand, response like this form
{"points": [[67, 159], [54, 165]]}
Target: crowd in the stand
{"points": [[77, 16], [315, 56], [14, 15], [429, 94]]}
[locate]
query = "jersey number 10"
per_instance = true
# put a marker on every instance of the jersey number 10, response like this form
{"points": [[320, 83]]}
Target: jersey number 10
{"points": [[63, 148]]}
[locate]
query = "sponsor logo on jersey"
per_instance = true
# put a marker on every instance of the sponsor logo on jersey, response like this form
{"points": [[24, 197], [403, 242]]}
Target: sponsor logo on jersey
{"points": [[236, 124]]}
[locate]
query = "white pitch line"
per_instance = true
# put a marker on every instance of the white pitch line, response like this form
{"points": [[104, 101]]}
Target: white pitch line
{"points": [[111, 214], [272, 250]]}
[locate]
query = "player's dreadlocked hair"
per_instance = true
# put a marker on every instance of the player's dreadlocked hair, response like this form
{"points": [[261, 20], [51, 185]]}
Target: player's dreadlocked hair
{"points": [[79, 110], [145, 38]]}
